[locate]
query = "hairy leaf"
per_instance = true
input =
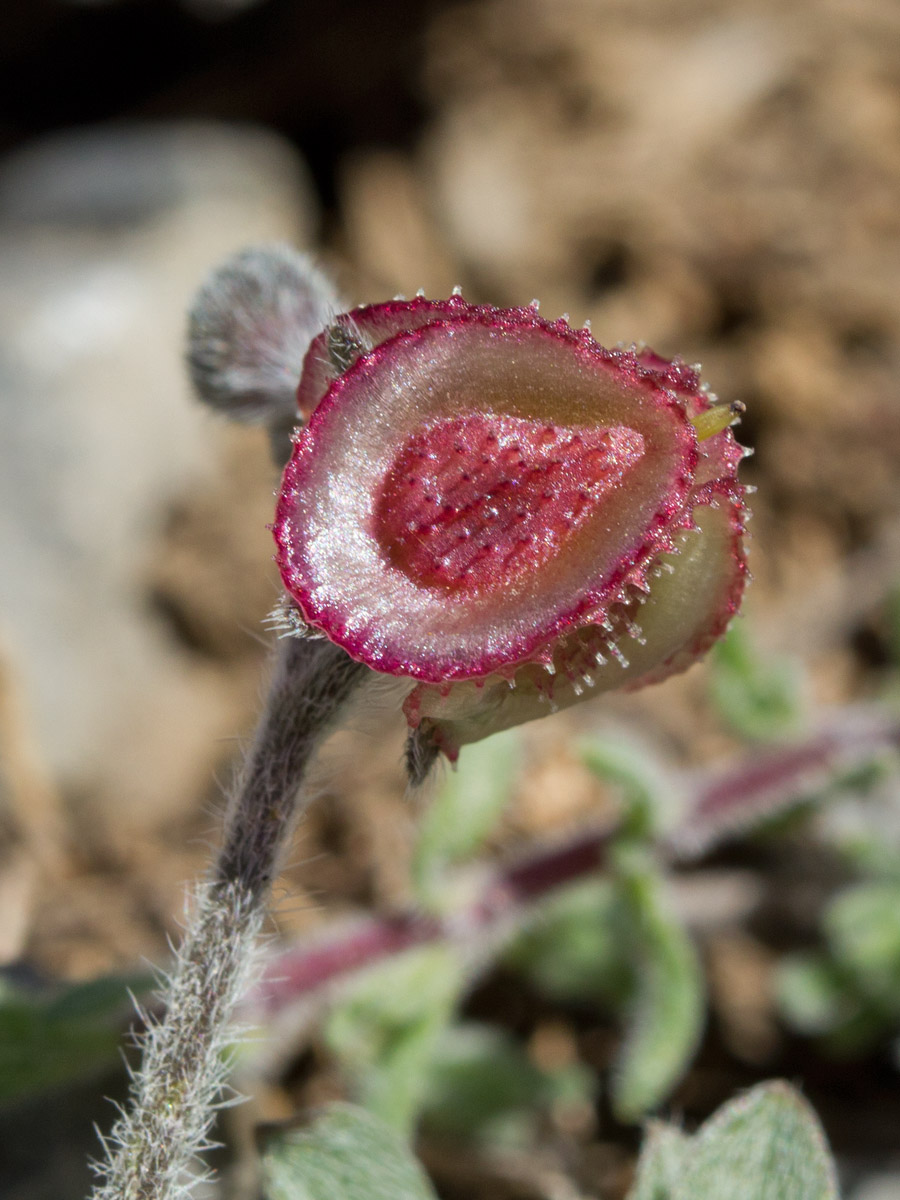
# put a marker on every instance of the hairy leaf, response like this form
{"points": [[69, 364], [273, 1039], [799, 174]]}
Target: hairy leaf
{"points": [[345, 1154], [646, 792], [385, 1032], [574, 949], [663, 1156], [465, 810], [766, 1145], [759, 698], [667, 1010], [483, 1087]]}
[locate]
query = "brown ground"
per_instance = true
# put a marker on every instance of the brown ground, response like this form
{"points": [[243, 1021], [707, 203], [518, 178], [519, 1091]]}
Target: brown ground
{"points": [[720, 179]]}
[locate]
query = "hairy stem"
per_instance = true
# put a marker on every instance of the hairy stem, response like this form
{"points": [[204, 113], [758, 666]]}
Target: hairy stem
{"points": [[769, 781], [153, 1146]]}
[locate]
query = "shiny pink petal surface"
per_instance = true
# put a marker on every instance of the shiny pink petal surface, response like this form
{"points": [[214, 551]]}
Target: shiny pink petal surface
{"points": [[472, 488], [506, 513], [355, 333]]}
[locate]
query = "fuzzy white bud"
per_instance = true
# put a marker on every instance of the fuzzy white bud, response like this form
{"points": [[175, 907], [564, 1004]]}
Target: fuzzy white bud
{"points": [[250, 327]]}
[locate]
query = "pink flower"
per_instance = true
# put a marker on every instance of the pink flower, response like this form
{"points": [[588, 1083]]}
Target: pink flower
{"points": [[501, 511]]}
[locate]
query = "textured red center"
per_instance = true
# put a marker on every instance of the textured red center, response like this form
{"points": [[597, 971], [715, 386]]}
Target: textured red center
{"points": [[473, 501]]}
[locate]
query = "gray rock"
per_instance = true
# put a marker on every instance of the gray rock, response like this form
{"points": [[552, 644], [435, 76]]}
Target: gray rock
{"points": [[104, 237]]}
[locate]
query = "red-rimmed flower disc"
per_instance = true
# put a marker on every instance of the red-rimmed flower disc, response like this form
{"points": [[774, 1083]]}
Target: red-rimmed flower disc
{"points": [[471, 488], [497, 508]]}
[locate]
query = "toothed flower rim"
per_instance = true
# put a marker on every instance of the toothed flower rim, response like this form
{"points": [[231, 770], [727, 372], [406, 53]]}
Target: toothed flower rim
{"points": [[674, 385]]}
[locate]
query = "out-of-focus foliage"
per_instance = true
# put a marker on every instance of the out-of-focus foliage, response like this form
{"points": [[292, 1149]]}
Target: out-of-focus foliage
{"points": [[766, 1145], [464, 812], [483, 1087], [345, 1154], [849, 991], [651, 800], [572, 950], [385, 1032], [759, 698], [846, 991], [665, 1012], [609, 943], [615, 943], [51, 1037]]}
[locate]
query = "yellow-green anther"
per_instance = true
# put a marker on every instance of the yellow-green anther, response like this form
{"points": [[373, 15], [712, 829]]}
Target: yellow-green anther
{"points": [[715, 419]]}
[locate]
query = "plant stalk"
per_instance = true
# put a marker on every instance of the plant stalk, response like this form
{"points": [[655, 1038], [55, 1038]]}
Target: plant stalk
{"points": [[151, 1153]]}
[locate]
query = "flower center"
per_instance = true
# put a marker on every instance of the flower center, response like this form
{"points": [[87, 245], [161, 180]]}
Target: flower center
{"points": [[471, 502]]}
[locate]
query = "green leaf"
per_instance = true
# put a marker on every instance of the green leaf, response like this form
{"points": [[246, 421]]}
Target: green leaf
{"points": [[54, 1036], [345, 1154], [771, 1140], [574, 948], [615, 940], [661, 1162], [386, 1030], [465, 810], [759, 698], [479, 1075], [862, 823], [766, 1145], [812, 993], [667, 1009], [483, 1087], [862, 924], [647, 794], [850, 995]]}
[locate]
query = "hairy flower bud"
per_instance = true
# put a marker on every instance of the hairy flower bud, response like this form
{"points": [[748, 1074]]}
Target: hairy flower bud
{"points": [[498, 509], [250, 327]]}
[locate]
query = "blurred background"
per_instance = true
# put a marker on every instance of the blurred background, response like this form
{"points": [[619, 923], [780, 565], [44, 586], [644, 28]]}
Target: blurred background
{"points": [[718, 178]]}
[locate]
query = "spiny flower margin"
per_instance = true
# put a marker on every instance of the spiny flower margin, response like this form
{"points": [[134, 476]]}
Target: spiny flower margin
{"points": [[493, 506]]}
